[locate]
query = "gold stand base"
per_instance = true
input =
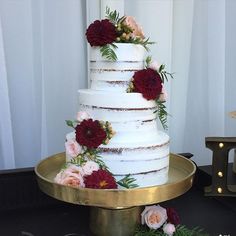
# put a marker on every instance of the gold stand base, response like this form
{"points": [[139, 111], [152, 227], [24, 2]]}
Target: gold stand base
{"points": [[110, 222]]}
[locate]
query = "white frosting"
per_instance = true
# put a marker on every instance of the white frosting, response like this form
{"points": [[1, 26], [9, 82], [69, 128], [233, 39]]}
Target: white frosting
{"points": [[114, 76], [137, 148]]}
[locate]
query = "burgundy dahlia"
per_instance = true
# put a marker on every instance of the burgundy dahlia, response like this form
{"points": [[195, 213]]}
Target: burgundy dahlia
{"points": [[89, 133], [100, 179], [100, 33], [148, 82], [173, 216]]}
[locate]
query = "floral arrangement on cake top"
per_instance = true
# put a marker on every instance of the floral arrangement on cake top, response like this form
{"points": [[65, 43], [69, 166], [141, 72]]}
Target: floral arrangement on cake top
{"points": [[150, 83], [160, 221], [85, 168], [115, 29]]}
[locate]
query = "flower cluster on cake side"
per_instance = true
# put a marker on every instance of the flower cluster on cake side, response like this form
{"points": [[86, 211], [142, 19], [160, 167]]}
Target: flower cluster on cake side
{"points": [[85, 168], [108, 33], [160, 221]]}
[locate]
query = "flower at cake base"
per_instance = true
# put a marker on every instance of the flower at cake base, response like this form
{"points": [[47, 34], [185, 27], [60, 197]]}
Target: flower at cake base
{"points": [[89, 167], [100, 179], [100, 33], [71, 176], [148, 82], [89, 133], [82, 115], [154, 216], [136, 29], [173, 216], [73, 148], [169, 229]]}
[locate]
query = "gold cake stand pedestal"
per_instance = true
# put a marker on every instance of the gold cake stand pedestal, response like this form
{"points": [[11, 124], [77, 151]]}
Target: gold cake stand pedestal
{"points": [[116, 212]]}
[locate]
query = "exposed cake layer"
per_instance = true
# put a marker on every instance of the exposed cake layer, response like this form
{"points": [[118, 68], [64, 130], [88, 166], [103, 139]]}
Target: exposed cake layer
{"points": [[131, 116], [115, 76], [147, 163]]}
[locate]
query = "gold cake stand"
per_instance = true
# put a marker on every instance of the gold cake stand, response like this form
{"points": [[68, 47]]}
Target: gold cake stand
{"points": [[115, 212]]}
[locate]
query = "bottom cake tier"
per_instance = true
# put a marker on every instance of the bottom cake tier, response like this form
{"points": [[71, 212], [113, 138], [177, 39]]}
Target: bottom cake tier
{"points": [[147, 163]]}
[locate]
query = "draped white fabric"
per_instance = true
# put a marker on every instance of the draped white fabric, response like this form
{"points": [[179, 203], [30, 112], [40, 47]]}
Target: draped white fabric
{"points": [[43, 67], [43, 61]]}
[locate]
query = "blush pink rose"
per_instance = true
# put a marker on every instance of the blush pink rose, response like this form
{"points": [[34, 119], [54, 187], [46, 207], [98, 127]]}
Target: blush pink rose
{"points": [[73, 149], [89, 167], [154, 65], [73, 180], [71, 176], [163, 96], [154, 216], [137, 30], [169, 229], [82, 115], [74, 169]]}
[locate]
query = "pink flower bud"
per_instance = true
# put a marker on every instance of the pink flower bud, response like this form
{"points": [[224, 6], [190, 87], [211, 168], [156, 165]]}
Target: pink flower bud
{"points": [[82, 115], [154, 65], [73, 149], [169, 229]]}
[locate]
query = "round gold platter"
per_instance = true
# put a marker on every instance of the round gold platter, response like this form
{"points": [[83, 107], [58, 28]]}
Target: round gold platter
{"points": [[181, 173]]}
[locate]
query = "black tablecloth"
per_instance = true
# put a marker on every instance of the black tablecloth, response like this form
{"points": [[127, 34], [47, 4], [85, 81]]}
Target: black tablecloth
{"points": [[71, 220]]}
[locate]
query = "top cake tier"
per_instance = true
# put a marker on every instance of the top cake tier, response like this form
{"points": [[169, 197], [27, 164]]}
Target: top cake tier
{"points": [[115, 76]]}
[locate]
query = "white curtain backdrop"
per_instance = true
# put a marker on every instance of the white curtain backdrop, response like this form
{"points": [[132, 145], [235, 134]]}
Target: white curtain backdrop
{"points": [[43, 62]]}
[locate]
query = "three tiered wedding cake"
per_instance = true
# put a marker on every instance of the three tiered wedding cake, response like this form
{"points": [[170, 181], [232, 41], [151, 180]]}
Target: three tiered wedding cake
{"points": [[125, 97]]}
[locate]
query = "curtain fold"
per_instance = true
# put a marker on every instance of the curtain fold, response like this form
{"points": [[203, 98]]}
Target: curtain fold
{"points": [[45, 54], [7, 159]]}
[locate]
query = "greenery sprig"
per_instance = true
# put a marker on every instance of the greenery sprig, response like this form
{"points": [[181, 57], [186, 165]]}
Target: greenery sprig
{"points": [[144, 43], [164, 74], [123, 35], [162, 113], [114, 17], [181, 230], [108, 52], [127, 182]]}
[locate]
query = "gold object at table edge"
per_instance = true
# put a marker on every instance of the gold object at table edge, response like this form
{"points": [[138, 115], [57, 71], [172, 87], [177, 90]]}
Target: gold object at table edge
{"points": [[181, 174]]}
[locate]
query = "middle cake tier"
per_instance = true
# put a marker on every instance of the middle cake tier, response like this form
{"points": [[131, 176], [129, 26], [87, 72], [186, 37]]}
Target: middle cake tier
{"points": [[138, 147]]}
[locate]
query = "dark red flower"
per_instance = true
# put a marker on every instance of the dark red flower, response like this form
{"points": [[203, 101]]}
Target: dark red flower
{"points": [[148, 82], [89, 133], [173, 216], [100, 179], [100, 33]]}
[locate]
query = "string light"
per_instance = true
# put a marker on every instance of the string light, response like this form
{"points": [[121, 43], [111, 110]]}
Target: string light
{"points": [[220, 174], [221, 145]]}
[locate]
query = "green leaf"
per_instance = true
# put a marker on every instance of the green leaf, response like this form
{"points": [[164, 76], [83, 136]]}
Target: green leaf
{"points": [[70, 123], [162, 114], [181, 230], [113, 16], [148, 61], [108, 52], [127, 182]]}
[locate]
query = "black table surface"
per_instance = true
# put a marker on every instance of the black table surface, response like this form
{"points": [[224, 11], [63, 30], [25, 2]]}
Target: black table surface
{"points": [[71, 220]]}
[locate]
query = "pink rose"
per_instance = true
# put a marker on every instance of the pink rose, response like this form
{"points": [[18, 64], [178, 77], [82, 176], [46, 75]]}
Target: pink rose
{"points": [[154, 65], [82, 115], [73, 169], [163, 96], [73, 149], [154, 216], [89, 167], [137, 30], [71, 176], [74, 180], [169, 229]]}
